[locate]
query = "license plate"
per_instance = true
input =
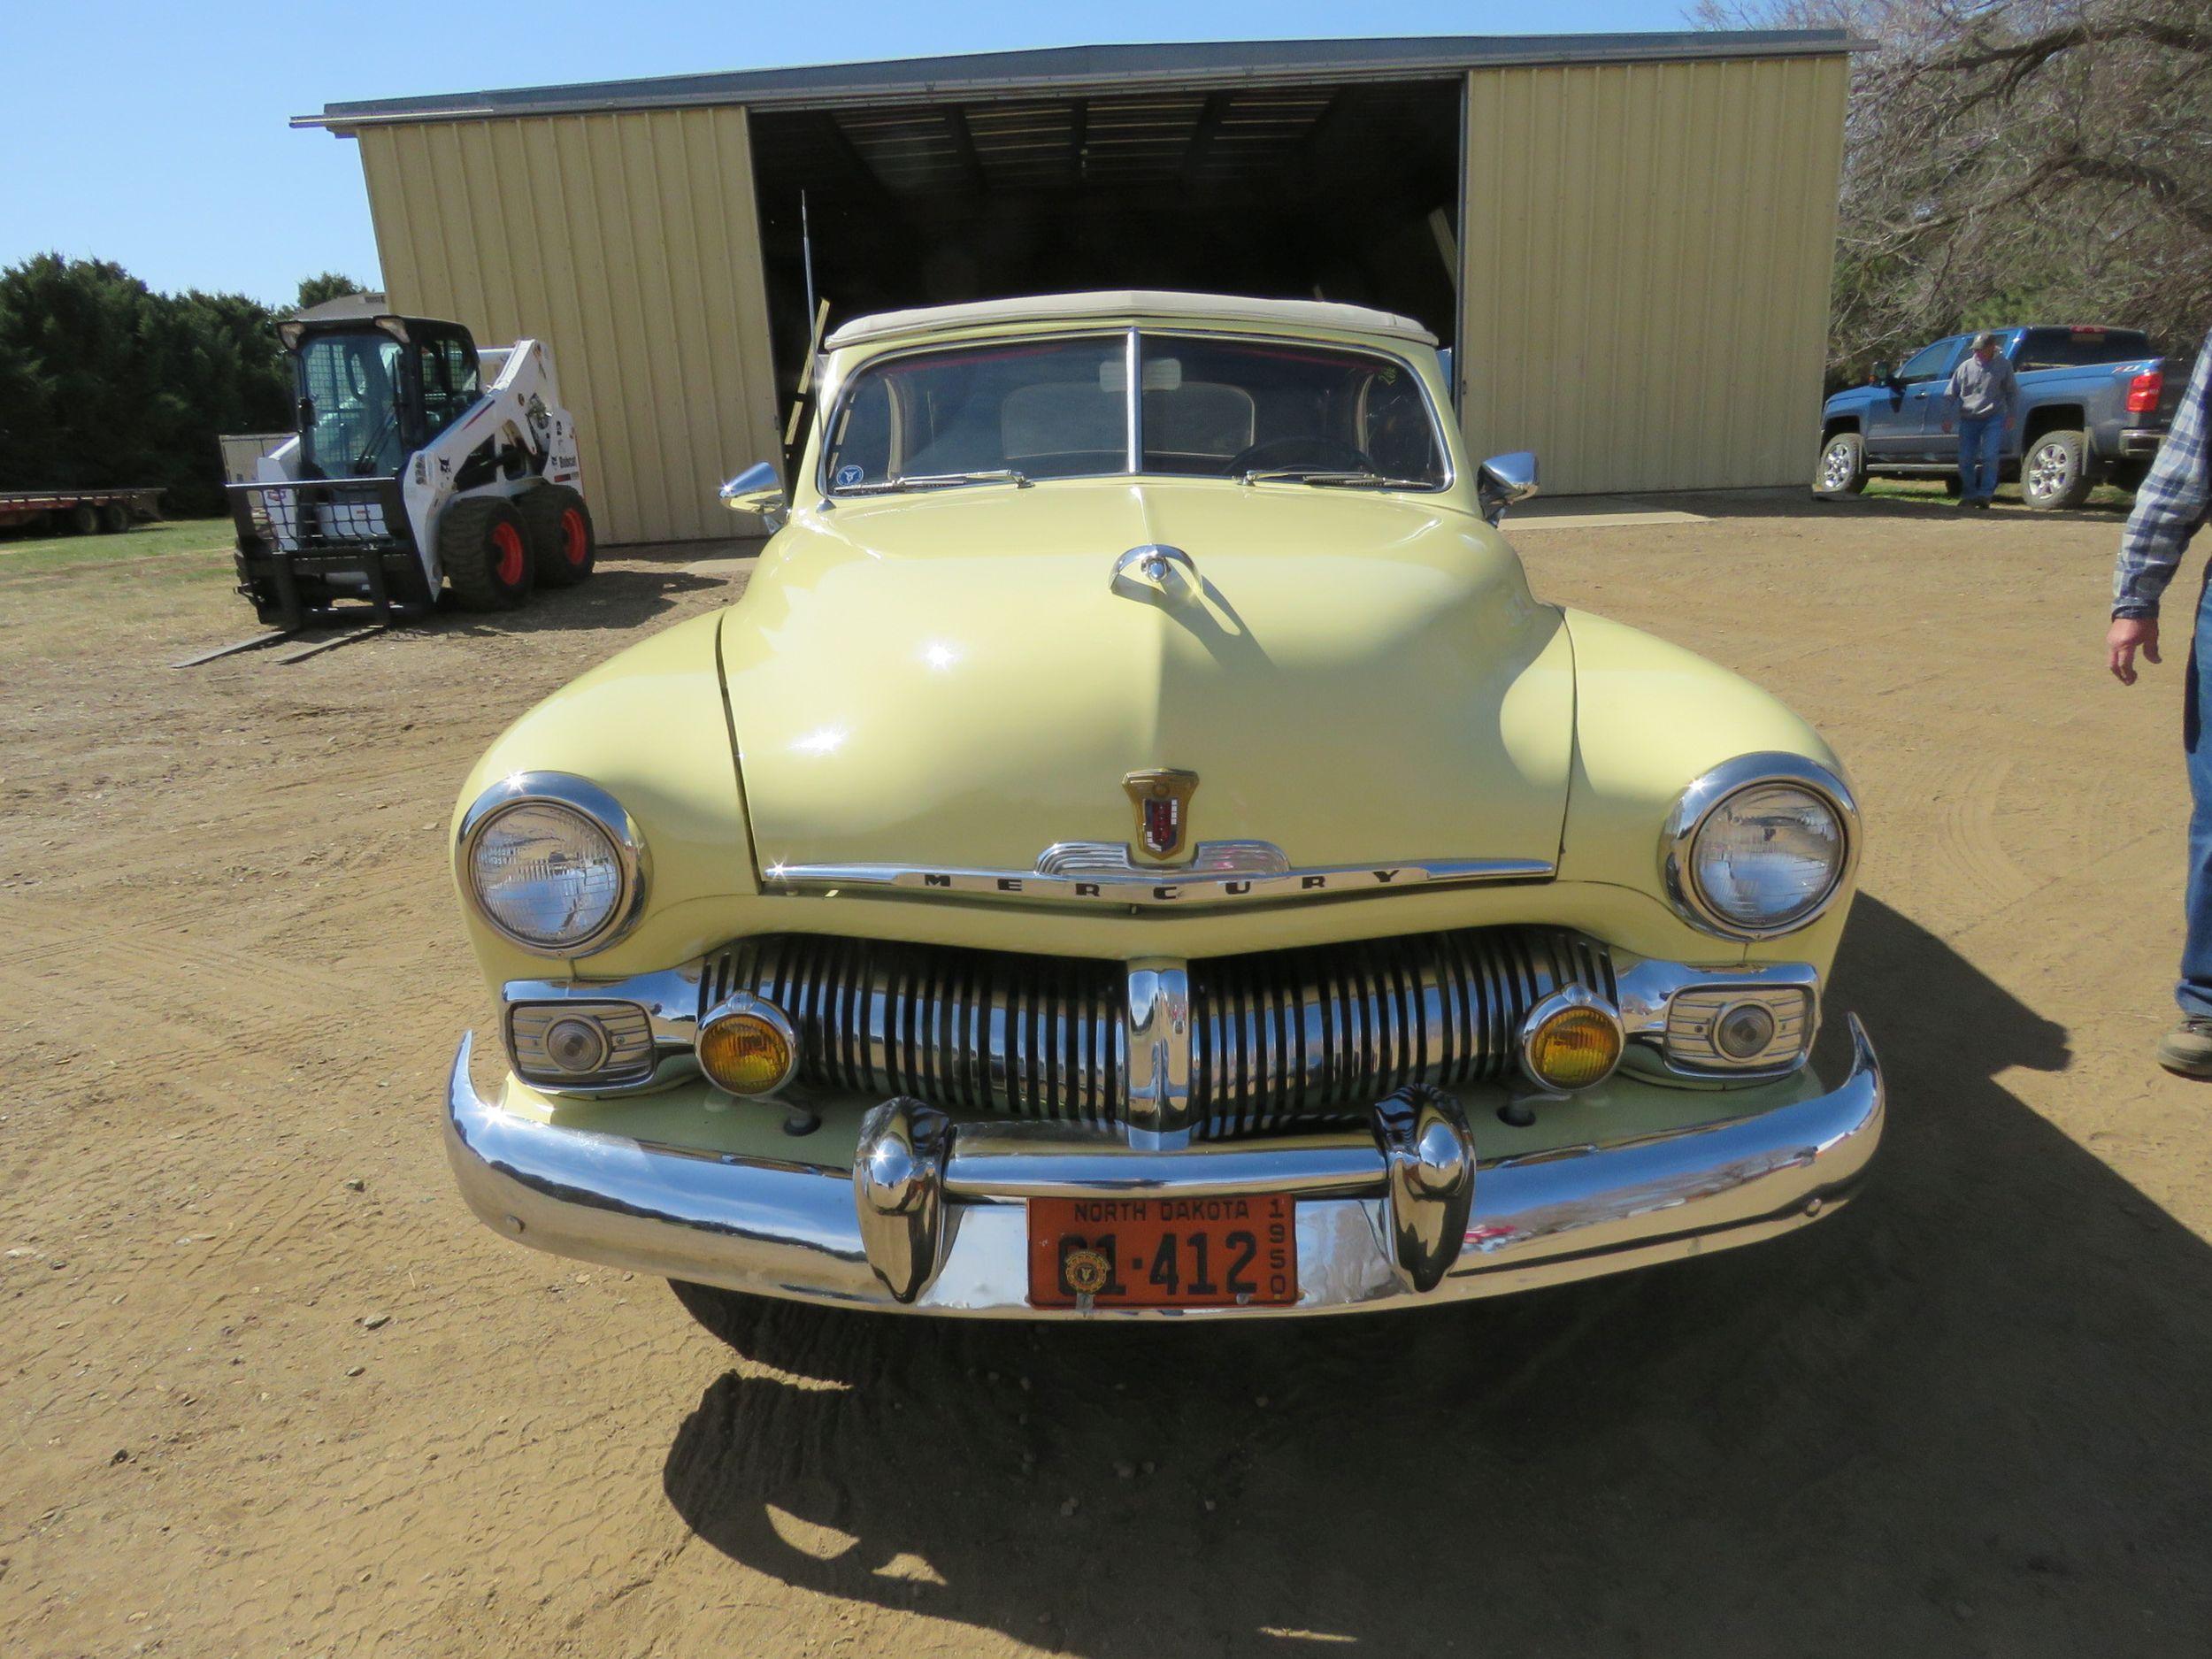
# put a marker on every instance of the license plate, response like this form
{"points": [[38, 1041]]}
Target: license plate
{"points": [[1162, 1252]]}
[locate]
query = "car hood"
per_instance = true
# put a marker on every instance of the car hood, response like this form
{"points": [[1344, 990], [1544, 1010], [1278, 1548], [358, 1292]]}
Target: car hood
{"points": [[952, 680]]}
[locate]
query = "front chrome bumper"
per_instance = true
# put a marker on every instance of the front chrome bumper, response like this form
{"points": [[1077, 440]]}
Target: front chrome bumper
{"points": [[934, 1219]]}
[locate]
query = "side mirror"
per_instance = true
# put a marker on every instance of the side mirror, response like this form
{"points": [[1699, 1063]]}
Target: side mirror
{"points": [[1503, 479], [1880, 374], [758, 489]]}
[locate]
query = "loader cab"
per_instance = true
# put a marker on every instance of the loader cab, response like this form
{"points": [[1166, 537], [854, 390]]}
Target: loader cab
{"points": [[373, 390]]}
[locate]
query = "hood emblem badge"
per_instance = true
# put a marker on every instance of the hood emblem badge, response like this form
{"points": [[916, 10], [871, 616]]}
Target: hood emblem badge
{"points": [[1162, 804]]}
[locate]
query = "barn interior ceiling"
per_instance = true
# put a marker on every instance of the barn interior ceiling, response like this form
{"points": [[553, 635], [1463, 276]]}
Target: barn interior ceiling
{"points": [[1344, 192]]}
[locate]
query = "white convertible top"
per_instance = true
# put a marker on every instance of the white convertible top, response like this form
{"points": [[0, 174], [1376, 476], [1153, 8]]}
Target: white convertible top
{"points": [[1128, 305]]}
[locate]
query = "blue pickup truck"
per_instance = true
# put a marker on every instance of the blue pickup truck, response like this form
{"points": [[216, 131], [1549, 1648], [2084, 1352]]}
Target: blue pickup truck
{"points": [[2094, 404]]}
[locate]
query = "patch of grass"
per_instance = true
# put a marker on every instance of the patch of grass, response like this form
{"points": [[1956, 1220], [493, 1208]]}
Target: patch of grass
{"points": [[20, 556], [1931, 490]]}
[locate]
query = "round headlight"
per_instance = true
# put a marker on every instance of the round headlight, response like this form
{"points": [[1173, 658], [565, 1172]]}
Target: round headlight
{"points": [[552, 862], [1751, 855], [1769, 855]]}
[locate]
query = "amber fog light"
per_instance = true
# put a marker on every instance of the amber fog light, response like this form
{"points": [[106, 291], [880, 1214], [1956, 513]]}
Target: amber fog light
{"points": [[1570, 1042], [747, 1046]]}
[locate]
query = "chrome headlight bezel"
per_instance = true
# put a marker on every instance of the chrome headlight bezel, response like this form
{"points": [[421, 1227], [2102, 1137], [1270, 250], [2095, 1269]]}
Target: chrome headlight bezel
{"points": [[597, 808], [1707, 794]]}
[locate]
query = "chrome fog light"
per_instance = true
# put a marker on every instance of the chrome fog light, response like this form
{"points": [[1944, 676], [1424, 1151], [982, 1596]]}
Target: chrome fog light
{"points": [[577, 1044], [1570, 1040], [1744, 1032], [580, 1045], [1739, 1028], [747, 1046]]}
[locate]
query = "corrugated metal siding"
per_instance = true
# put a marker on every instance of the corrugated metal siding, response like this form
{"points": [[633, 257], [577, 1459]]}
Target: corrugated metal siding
{"points": [[631, 244], [1647, 254]]}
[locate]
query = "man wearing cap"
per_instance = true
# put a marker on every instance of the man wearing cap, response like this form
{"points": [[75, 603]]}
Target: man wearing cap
{"points": [[2169, 509], [1985, 398]]}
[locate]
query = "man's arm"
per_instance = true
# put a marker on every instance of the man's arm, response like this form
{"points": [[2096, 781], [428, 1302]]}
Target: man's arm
{"points": [[1946, 402], [2169, 508], [2010, 393]]}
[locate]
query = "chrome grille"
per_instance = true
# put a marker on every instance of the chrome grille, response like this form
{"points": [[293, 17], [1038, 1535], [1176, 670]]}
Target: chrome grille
{"points": [[1284, 1037], [1034, 1036], [1317, 1035]]}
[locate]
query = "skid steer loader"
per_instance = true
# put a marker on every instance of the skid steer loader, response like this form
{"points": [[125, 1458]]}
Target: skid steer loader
{"points": [[407, 474]]}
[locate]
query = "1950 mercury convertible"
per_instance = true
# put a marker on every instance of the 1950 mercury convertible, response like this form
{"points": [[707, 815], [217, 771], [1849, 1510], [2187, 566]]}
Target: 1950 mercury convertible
{"points": [[1138, 848]]}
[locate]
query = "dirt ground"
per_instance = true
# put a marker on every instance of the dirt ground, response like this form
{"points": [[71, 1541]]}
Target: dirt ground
{"points": [[265, 1388]]}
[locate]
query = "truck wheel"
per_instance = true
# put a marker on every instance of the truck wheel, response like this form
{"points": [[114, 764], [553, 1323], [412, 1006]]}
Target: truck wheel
{"points": [[560, 540], [80, 520], [486, 552], [1842, 469], [2055, 471], [114, 517]]}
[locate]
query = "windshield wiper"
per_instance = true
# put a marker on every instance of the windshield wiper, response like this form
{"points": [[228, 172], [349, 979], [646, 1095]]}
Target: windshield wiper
{"points": [[934, 480], [1361, 479]]}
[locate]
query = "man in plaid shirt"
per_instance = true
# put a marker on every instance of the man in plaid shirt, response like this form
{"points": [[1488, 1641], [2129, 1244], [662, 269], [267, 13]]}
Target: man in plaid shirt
{"points": [[2169, 509]]}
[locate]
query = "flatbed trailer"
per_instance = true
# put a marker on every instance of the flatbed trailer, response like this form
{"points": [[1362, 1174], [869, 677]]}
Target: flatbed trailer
{"points": [[79, 511]]}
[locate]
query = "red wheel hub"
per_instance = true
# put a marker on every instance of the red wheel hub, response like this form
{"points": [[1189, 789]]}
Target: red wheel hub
{"points": [[507, 545], [574, 543]]}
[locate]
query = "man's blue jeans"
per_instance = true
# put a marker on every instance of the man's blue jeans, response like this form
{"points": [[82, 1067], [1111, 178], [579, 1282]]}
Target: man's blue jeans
{"points": [[2195, 993], [1979, 440]]}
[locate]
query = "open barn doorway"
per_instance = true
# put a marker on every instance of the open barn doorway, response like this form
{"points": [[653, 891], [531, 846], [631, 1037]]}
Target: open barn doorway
{"points": [[1341, 192]]}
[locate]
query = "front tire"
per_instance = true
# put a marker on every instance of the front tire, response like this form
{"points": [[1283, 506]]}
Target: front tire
{"points": [[562, 544], [1842, 467], [485, 548], [2055, 471]]}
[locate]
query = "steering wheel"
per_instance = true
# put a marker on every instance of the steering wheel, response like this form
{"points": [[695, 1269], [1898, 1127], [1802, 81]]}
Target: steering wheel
{"points": [[1321, 455]]}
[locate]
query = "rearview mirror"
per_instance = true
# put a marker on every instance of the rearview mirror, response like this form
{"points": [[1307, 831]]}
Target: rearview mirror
{"points": [[758, 489], [1503, 479]]}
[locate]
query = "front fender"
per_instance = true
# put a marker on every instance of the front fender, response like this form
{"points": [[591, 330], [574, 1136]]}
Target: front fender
{"points": [[1649, 717], [650, 726]]}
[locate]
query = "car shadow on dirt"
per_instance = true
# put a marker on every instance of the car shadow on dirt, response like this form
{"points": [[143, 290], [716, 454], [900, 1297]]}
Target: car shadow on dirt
{"points": [[1966, 1414], [612, 599]]}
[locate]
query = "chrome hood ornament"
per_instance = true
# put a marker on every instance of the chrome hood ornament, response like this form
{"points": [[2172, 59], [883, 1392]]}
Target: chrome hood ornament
{"points": [[1166, 570]]}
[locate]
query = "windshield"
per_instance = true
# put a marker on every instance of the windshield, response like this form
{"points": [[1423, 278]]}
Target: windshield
{"points": [[1251, 409], [350, 382]]}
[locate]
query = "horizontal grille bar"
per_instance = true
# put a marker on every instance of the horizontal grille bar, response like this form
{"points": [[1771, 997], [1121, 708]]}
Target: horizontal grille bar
{"points": [[1284, 1037]]}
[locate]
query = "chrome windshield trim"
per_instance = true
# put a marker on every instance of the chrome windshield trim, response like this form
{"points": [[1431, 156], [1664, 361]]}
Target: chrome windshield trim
{"points": [[1132, 461], [1165, 886]]}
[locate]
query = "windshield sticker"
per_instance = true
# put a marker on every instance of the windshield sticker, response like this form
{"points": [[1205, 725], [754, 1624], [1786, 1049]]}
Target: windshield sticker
{"points": [[849, 474]]}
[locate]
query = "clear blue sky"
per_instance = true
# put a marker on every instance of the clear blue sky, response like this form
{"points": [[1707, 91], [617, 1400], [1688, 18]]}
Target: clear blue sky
{"points": [[155, 135]]}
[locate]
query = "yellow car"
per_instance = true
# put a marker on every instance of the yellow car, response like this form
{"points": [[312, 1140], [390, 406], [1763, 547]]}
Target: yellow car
{"points": [[1138, 848]]}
